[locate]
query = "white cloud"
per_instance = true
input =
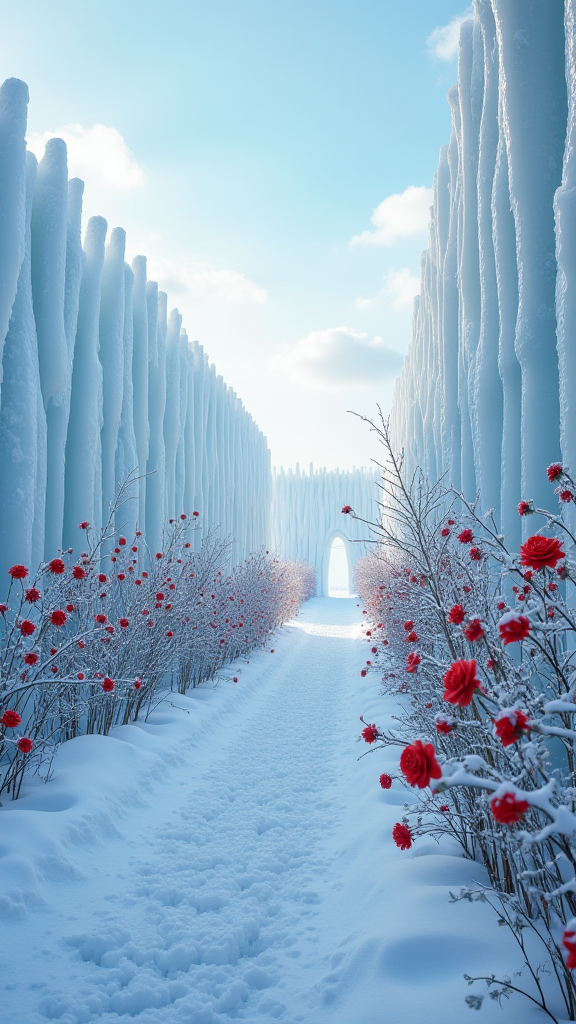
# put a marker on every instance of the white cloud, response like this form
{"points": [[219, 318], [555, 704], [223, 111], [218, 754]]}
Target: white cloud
{"points": [[443, 42], [99, 155], [339, 357], [400, 287], [399, 216], [205, 286]]}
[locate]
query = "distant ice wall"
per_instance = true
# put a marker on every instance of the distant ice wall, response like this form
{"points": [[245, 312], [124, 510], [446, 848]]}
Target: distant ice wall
{"points": [[484, 396], [307, 515], [100, 381]]}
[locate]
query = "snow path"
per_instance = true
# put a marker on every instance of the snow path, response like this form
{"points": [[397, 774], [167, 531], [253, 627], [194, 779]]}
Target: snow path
{"points": [[253, 876]]}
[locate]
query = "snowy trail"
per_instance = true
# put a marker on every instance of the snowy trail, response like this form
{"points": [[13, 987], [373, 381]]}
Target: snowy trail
{"points": [[255, 877]]}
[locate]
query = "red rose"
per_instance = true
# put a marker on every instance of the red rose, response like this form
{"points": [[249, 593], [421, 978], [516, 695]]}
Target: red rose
{"points": [[507, 809], [31, 658], [124, 623], [409, 625], [27, 627], [569, 943], [418, 763], [83, 525], [554, 471], [539, 552], [58, 618], [456, 614], [566, 496], [475, 554], [402, 836], [370, 733], [122, 541], [24, 745], [108, 684], [195, 513], [102, 577], [524, 508], [18, 572], [412, 662], [32, 595], [510, 725], [444, 724], [466, 537], [460, 682], [412, 638], [513, 627], [57, 566], [78, 572], [445, 532], [10, 719], [474, 630], [100, 618], [385, 781], [346, 510], [137, 683]]}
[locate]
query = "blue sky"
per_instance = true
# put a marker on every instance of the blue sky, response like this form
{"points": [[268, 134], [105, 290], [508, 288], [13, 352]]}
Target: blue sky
{"points": [[245, 147]]}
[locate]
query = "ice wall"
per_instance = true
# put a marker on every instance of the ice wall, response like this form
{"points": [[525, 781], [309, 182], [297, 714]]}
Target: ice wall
{"points": [[307, 515], [478, 397], [100, 382]]}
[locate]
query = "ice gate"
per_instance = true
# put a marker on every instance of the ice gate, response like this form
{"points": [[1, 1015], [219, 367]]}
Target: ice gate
{"points": [[307, 516]]}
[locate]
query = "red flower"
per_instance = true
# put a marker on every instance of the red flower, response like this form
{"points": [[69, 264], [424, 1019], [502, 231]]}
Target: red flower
{"points": [[412, 638], [31, 658], [10, 719], [554, 471], [444, 724], [122, 541], [83, 525], [3, 609], [524, 508], [124, 623], [100, 618], [370, 733], [475, 554], [235, 679], [412, 662], [507, 809], [445, 532], [24, 745], [18, 572], [566, 496], [69, 607], [569, 943], [510, 725], [513, 627], [80, 675], [169, 632], [374, 650], [58, 618], [195, 513], [409, 625], [456, 614], [78, 572], [32, 595], [158, 554], [466, 537], [137, 684], [27, 627], [385, 781], [121, 576], [108, 684], [460, 682], [402, 836], [182, 516], [57, 566], [101, 577], [347, 509], [362, 672], [538, 552], [418, 763], [474, 630]]}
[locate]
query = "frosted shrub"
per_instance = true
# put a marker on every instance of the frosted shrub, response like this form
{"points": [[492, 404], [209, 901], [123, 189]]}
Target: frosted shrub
{"points": [[87, 642], [479, 646]]}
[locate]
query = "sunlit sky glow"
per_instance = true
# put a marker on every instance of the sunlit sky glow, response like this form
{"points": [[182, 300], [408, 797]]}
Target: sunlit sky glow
{"points": [[273, 161]]}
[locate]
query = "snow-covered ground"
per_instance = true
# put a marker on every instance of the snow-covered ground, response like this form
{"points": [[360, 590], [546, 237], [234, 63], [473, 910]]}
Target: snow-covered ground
{"points": [[232, 859]]}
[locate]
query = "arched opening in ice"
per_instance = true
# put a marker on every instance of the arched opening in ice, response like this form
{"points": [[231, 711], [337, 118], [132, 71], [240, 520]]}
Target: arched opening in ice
{"points": [[338, 570]]}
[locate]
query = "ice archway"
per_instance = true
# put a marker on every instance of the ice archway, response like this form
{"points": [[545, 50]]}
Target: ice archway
{"points": [[307, 515], [336, 576]]}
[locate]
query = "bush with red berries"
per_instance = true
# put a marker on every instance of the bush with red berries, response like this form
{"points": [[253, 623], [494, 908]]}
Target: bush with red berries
{"points": [[90, 640], [487, 724]]}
